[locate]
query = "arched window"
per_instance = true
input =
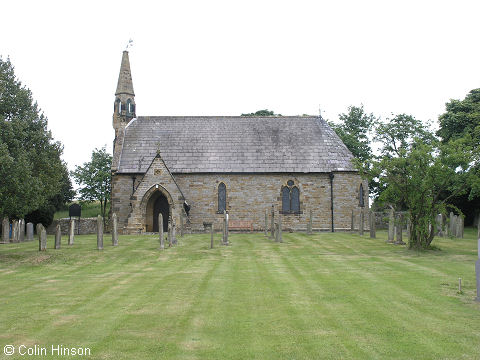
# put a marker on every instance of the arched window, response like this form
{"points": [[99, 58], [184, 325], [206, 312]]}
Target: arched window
{"points": [[118, 106], [295, 200], [222, 197], [286, 199], [129, 106], [361, 196], [290, 198]]}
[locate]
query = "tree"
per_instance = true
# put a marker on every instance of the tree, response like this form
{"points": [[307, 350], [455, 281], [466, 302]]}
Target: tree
{"points": [[416, 170], [94, 179], [462, 118], [31, 170], [354, 129], [264, 112]]}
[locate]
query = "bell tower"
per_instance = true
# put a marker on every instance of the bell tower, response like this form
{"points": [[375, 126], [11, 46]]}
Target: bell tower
{"points": [[123, 108], [124, 105]]}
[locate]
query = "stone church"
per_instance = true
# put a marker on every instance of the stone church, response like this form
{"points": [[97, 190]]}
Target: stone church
{"points": [[192, 168]]}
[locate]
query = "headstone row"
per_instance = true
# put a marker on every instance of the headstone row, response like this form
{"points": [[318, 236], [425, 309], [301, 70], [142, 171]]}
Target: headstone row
{"points": [[16, 233]]}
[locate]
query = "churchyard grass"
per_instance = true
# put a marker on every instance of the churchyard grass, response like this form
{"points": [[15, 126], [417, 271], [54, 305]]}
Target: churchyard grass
{"points": [[321, 296], [89, 209]]}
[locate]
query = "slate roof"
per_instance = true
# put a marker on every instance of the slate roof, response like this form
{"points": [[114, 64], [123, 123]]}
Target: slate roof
{"points": [[234, 144]]}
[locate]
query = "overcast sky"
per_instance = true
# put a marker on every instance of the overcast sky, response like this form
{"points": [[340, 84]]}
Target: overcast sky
{"points": [[230, 57]]}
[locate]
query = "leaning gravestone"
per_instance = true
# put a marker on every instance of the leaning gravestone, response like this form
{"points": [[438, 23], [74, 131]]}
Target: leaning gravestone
{"points": [[5, 230], [360, 224], [29, 231], [58, 237], [99, 233], [391, 226], [71, 232], [115, 230], [160, 231], [21, 230], [372, 225]]}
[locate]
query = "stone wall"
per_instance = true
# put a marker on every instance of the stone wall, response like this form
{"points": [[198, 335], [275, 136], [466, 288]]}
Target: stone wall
{"points": [[82, 227], [248, 196]]}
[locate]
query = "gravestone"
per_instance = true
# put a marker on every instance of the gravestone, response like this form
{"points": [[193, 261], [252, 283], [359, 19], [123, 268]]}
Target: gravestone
{"points": [[29, 231], [372, 225], [455, 225], [42, 243], [266, 222], [14, 237], [360, 224], [278, 233], [71, 232], [440, 225], [160, 231], [174, 237], [6, 230], [272, 223], [58, 237], [458, 226], [399, 229], [310, 222], [409, 226], [181, 225], [226, 228], [42, 239], [99, 233], [352, 225], [21, 230], [169, 235], [211, 236], [391, 226], [452, 224], [114, 230]]}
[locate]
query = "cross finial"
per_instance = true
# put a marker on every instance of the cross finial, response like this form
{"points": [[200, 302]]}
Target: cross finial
{"points": [[158, 148]]}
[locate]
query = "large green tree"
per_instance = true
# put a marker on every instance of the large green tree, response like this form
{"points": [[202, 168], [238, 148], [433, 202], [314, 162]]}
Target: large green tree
{"points": [[31, 171], [462, 119], [353, 129], [94, 179], [415, 172]]}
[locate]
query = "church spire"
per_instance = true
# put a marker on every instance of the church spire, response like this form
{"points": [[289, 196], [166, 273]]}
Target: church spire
{"points": [[124, 106], [125, 84]]}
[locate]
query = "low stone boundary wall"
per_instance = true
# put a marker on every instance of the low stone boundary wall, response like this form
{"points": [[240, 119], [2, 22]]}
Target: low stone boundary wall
{"points": [[82, 227]]}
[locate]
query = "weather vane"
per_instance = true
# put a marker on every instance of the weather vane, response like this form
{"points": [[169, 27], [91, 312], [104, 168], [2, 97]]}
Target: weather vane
{"points": [[130, 44]]}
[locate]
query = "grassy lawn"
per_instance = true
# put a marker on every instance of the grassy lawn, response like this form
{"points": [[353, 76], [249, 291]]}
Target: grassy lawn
{"points": [[325, 296], [91, 209]]}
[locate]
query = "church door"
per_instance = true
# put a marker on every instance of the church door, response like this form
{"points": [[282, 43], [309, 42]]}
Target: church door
{"points": [[160, 207]]}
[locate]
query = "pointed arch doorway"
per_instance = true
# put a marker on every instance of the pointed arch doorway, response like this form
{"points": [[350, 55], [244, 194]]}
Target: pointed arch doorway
{"points": [[157, 204], [160, 206]]}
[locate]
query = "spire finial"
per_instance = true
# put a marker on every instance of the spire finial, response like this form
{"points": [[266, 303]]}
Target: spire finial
{"points": [[129, 44]]}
